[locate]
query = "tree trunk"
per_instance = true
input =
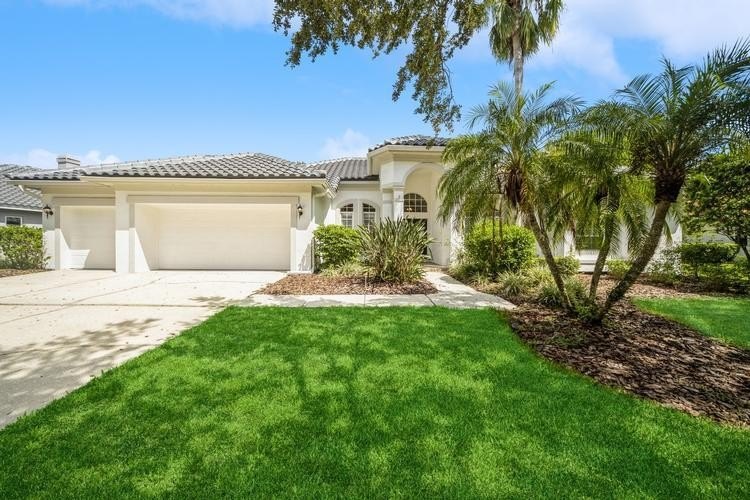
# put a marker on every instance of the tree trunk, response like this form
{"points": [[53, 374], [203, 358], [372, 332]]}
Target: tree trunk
{"points": [[601, 259], [741, 242], [517, 50], [543, 240], [644, 256]]}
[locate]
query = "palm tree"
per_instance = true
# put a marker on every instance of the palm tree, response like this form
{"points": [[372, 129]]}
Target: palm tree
{"points": [[591, 190], [500, 164], [519, 27], [672, 121]]}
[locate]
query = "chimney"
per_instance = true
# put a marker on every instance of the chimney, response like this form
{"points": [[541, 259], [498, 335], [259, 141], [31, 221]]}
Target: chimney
{"points": [[67, 162]]}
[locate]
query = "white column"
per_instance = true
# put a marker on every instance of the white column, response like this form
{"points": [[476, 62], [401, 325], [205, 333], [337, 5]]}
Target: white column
{"points": [[302, 234], [398, 203], [50, 227], [387, 212], [122, 232]]}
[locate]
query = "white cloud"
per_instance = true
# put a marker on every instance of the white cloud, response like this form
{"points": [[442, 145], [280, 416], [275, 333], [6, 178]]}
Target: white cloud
{"points": [[236, 13], [351, 143], [94, 157], [42, 158], [681, 29]]}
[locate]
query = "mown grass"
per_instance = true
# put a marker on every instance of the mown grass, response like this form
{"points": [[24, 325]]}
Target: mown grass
{"points": [[358, 402], [724, 318]]}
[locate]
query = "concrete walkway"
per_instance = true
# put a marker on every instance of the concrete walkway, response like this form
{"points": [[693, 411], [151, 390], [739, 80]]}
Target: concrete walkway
{"points": [[451, 293]]}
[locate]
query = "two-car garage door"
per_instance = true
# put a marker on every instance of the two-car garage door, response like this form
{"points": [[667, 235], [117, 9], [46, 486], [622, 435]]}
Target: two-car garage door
{"points": [[183, 236], [254, 236]]}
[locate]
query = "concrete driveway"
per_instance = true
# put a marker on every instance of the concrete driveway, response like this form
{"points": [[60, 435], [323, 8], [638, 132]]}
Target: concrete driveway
{"points": [[59, 329]]}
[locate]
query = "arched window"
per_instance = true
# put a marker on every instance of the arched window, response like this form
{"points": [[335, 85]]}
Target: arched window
{"points": [[414, 204], [369, 215], [347, 215]]}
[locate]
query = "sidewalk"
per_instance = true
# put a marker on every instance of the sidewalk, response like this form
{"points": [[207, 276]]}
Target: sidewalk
{"points": [[451, 293]]}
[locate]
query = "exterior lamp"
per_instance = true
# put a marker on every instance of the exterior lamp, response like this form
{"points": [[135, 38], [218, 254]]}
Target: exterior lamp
{"points": [[47, 210], [300, 211]]}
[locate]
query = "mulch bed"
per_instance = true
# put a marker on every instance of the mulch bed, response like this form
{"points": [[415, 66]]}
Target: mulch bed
{"points": [[6, 273], [317, 284], [647, 355]]}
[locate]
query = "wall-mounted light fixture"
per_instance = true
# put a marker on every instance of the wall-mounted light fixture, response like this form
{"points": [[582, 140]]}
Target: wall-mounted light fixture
{"points": [[300, 210], [47, 210]]}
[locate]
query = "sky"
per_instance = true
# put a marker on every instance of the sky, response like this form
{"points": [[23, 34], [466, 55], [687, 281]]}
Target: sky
{"points": [[118, 80]]}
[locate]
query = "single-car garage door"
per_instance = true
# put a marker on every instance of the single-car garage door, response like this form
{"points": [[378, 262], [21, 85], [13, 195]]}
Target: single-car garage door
{"points": [[89, 234], [224, 236]]}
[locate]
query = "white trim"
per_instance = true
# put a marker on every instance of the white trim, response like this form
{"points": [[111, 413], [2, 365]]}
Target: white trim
{"points": [[7, 207], [80, 201], [212, 199]]}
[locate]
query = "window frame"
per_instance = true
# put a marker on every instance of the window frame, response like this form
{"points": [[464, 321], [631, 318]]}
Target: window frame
{"points": [[351, 214], [418, 201], [371, 211], [19, 217], [358, 214]]}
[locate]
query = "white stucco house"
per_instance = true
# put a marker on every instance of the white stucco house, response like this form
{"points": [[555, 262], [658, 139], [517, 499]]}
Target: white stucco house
{"points": [[237, 211]]}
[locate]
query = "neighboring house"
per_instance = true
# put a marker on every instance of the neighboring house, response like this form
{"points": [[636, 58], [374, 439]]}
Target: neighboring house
{"points": [[18, 208], [238, 211]]}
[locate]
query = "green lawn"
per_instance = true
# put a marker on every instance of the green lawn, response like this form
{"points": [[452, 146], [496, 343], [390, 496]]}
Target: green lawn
{"points": [[724, 318], [361, 402]]}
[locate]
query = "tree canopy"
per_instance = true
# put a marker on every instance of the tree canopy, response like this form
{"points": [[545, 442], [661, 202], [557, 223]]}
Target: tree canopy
{"points": [[433, 31], [718, 197]]}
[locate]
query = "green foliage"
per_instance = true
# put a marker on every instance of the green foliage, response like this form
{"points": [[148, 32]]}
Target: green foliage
{"points": [[616, 268], [490, 248], [568, 265], [549, 295], [695, 255], [538, 276], [431, 31], [717, 196], [336, 245], [22, 247], [665, 269], [733, 277], [351, 269], [392, 250], [513, 284]]}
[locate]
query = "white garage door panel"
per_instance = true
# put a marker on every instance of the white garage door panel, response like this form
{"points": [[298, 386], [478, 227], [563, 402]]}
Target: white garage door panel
{"points": [[255, 236], [89, 233]]}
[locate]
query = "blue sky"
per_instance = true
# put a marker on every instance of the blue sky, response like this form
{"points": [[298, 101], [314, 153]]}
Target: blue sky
{"points": [[111, 80]]}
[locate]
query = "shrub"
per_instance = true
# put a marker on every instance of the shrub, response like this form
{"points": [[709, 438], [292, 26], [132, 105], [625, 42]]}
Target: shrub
{"points": [[393, 250], [549, 295], [22, 247], [336, 245], [568, 265], [695, 256], [538, 276], [616, 268], [491, 253], [352, 269], [665, 268], [513, 284], [731, 277]]}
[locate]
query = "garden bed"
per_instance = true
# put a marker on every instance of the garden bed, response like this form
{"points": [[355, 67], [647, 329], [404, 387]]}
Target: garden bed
{"points": [[6, 273], [646, 355], [318, 284]]}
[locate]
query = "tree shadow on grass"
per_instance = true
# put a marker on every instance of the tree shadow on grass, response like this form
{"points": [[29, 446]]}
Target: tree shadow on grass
{"points": [[360, 402]]}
